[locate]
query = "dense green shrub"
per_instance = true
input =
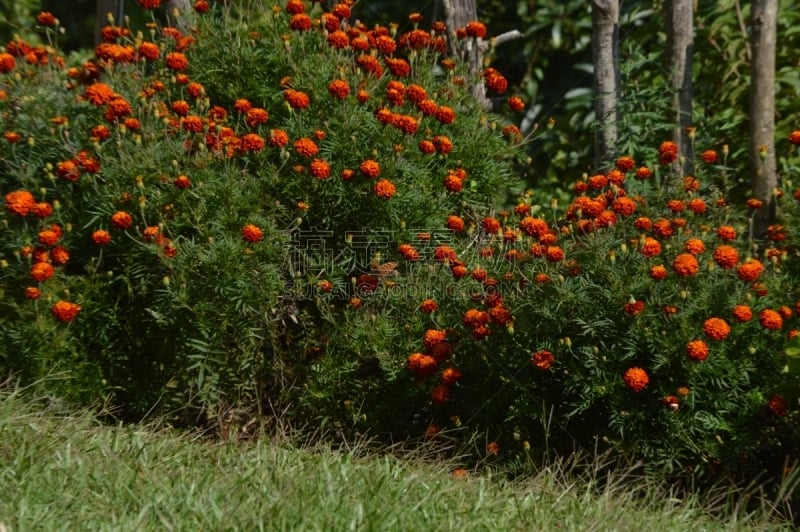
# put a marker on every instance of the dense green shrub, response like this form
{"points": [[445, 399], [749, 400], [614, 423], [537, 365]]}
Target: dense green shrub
{"points": [[297, 213]]}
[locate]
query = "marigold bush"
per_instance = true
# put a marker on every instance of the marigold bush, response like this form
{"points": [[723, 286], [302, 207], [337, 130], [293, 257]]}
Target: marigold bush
{"points": [[298, 212]]}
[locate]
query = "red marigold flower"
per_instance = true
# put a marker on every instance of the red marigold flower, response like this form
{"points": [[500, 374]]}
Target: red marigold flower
{"points": [[726, 232], [300, 22], [625, 163], [48, 237], [445, 114], [685, 265], [20, 202], [777, 405], [68, 170], [710, 156], [785, 312], [32, 292], [370, 168], [121, 220], [636, 379], [148, 51], [293, 7], [201, 6], [428, 305], [385, 44], [252, 233], [12, 137], [385, 189], [320, 169], [716, 329], [150, 4], [64, 311], [7, 63], [101, 237], [42, 271], [296, 99], [542, 359], [444, 253], [663, 228], [695, 246], [339, 88], [432, 337], [475, 318], [338, 39], [398, 67], [671, 402], [182, 182], [440, 394], [342, 10], [794, 137], [770, 319], [450, 376], [42, 209], [633, 308], [651, 247], [306, 147], [192, 124], [643, 173], [658, 272], [325, 285], [495, 81], [443, 144], [427, 147], [455, 223], [177, 61], [742, 313], [554, 254], [750, 270], [45, 18], [697, 350]]}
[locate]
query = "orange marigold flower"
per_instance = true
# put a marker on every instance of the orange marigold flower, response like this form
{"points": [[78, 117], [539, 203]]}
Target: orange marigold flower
{"points": [[101, 237], [726, 232], [667, 152], [428, 306], [432, 337], [306, 147], [320, 169], [554, 254], [453, 183], [440, 394], [651, 247], [695, 246], [64, 311], [252, 233], [542, 359], [685, 265], [279, 138], [42, 209], [445, 114], [48, 237], [710, 156], [726, 256], [675, 205], [385, 189], [493, 448], [450, 376], [325, 285], [697, 205], [177, 61], [45, 18], [643, 173], [296, 99], [408, 252], [59, 255], [742, 313], [754, 203], [643, 224], [255, 116], [636, 379], [20, 202], [370, 168], [201, 6], [624, 206], [293, 7], [697, 350], [455, 223], [42, 271], [7, 63], [121, 220], [149, 51], [252, 142], [663, 228], [750, 270], [300, 22], [476, 29], [770, 319], [794, 137], [192, 124], [716, 328], [516, 103], [658, 272], [785, 312], [625, 163]]}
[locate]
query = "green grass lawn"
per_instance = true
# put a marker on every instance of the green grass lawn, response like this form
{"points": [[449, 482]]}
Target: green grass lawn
{"points": [[66, 471]]}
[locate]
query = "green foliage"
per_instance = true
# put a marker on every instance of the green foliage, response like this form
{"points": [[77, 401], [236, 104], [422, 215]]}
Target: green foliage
{"points": [[271, 214]]}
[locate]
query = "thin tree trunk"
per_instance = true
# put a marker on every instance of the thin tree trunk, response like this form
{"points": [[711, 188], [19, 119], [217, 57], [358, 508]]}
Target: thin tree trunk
{"points": [[680, 44], [762, 112], [605, 58], [181, 14], [104, 7]]}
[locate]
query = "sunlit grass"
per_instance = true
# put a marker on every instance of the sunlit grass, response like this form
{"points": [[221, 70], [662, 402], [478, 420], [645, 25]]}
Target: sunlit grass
{"points": [[66, 471]]}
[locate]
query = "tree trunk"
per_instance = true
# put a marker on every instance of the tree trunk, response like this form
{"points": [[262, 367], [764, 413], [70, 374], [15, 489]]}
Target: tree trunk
{"points": [[458, 12], [605, 59], [104, 7], [180, 14], [680, 44], [762, 113]]}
